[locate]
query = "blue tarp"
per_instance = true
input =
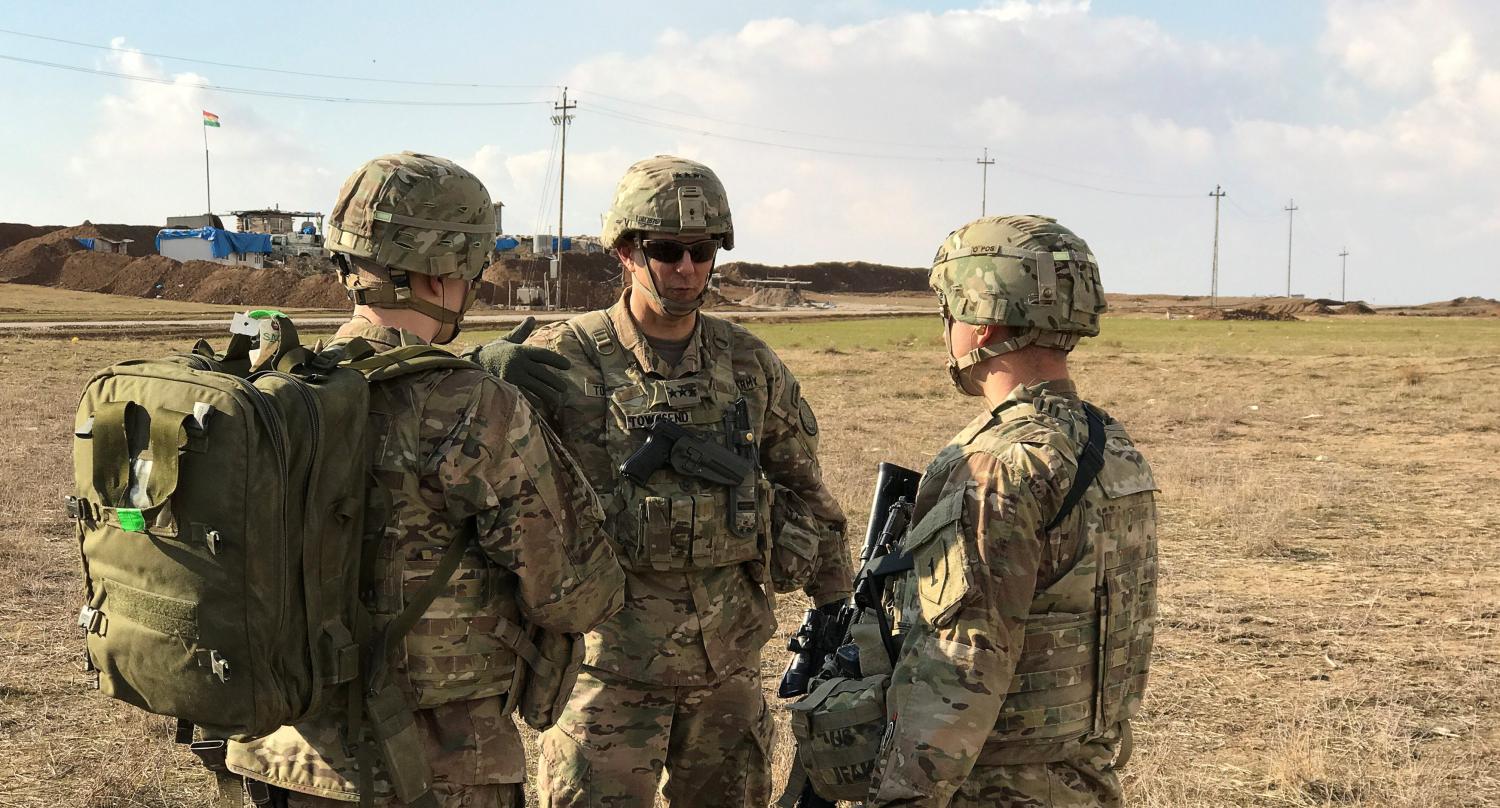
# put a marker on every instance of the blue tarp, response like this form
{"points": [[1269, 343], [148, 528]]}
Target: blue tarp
{"points": [[221, 242], [506, 243], [88, 243], [567, 244], [308, 229]]}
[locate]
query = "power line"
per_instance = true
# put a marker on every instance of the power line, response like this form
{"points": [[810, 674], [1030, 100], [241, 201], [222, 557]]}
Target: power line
{"points": [[546, 193], [218, 88], [778, 130], [304, 74], [644, 121]]}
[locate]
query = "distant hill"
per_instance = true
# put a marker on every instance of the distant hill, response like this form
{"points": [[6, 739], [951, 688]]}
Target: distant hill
{"points": [[834, 276]]}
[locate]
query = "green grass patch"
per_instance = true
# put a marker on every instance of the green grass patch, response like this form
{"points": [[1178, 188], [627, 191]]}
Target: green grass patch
{"points": [[1364, 336]]}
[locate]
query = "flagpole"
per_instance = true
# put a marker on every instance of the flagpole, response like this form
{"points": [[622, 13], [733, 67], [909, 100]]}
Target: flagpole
{"points": [[208, 183]]}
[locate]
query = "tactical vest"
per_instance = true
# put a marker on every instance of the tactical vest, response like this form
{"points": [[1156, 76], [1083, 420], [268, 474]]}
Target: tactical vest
{"points": [[1087, 643], [674, 522]]}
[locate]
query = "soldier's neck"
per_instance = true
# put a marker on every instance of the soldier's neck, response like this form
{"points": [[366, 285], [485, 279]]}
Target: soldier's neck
{"points": [[999, 375], [401, 319], [656, 324]]}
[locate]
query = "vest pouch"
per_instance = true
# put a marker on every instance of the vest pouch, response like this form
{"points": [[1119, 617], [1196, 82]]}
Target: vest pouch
{"points": [[839, 727], [674, 531]]}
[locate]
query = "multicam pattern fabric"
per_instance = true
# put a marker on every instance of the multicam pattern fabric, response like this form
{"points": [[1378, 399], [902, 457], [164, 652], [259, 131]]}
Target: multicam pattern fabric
{"points": [[417, 213], [668, 194], [1019, 271], [693, 626], [463, 453], [995, 700], [616, 737]]}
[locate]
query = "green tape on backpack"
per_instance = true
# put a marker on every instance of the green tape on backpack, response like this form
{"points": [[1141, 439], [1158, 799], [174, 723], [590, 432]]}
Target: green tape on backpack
{"points": [[131, 519]]}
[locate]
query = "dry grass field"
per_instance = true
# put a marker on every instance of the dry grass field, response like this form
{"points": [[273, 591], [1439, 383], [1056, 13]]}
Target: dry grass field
{"points": [[1330, 615]]}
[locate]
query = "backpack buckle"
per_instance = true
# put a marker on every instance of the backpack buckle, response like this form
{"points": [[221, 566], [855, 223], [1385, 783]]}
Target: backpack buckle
{"points": [[75, 508], [89, 619], [210, 753], [218, 665]]}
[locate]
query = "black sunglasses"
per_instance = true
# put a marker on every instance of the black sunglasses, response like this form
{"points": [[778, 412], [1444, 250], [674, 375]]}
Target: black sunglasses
{"points": [[670, 252]]}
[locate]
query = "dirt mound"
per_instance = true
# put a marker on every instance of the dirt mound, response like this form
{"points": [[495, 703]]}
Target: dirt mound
{"points": [[775, 297], [37, 261], [88, 271], [835, 276], [1264, 313], [1356, 307], [142, 237]]}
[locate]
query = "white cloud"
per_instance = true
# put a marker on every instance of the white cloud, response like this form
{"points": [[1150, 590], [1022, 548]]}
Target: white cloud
{"points": [[1382, 130], [144, 161], [1372, 145]]}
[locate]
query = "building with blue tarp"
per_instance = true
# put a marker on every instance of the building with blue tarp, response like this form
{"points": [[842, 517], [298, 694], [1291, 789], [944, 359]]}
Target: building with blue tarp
{"points": [[213, 244], [105, 245]]}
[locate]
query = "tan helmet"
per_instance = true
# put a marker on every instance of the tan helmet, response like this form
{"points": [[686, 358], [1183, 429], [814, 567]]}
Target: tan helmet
{"points": [[670, 195], [411, 212], [1025, 272]]}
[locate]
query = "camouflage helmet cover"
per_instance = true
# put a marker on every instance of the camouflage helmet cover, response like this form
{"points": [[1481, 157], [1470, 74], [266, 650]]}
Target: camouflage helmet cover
{"points": [[417, 213], [1026, 272], [670, 195]]}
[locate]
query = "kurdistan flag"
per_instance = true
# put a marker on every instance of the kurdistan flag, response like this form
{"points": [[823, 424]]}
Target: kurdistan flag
{"points": [[210, 119]]}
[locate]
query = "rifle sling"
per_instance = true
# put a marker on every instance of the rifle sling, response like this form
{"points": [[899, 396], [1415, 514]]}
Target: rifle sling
{"points": [[1090, 463]]}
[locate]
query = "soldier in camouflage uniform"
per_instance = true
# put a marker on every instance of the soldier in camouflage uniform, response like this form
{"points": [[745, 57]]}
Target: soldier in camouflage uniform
{"points": [[672, 682], [1030, 636], [462, 453]]}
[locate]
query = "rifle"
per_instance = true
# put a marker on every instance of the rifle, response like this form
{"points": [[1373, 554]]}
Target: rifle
{"points": [[819, 639]]}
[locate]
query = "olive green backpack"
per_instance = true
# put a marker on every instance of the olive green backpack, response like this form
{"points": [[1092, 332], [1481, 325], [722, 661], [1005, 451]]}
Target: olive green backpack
{"points": [[220, 509]]}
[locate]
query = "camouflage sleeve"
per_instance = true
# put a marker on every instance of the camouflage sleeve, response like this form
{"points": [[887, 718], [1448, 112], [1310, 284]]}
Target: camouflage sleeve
{"points": [[535, 513], [976, 557], [789, 458]]}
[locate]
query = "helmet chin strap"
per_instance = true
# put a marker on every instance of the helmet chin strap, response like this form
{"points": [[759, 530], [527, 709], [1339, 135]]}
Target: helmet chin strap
{"points": [[959, 367], [675, 308]]}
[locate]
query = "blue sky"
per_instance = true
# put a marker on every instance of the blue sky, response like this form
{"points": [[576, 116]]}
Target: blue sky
{"points": [[845, 131]]}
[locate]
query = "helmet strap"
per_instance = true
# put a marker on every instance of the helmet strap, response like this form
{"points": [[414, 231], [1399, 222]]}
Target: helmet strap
{"points": [[674, 308], [960, 368], [395, 293]]}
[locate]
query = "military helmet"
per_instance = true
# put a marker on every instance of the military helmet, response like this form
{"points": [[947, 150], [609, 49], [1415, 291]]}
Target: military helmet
{"points": [[1026, 272], [670, 195], [417, 213]]}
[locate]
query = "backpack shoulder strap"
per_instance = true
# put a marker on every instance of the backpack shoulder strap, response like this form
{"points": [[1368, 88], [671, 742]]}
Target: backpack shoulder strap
{"points": [[406, 360], [1090, 463]]}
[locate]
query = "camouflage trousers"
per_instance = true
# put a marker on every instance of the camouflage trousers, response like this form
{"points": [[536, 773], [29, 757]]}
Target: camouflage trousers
{"points": [[1069, 784], [616, 737], [449, 795]]}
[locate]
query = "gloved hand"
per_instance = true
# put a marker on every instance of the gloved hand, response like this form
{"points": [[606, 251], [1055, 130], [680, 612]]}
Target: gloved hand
{"points": [[533, 369]]}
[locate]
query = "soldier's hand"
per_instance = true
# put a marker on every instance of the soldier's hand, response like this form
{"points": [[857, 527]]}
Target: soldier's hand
{"points": [[535, 370]]}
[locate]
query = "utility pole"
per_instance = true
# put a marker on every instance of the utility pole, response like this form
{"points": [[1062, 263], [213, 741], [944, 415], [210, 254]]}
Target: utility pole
{"points": [[1344, 274], [984, 195], [1291, 208], [1213, 285], [561, 119]]}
